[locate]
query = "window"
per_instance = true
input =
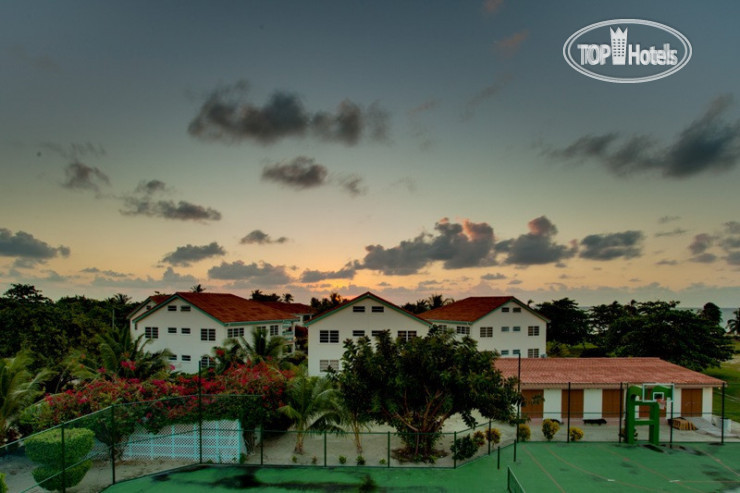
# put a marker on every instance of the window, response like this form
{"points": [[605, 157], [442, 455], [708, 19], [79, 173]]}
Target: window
{"points": [[151, 333], [185, 357], [486, 331], [406, 335], [504, 329], [378, 309], [533, 330], [171, 308], [172, 357], [442, 326], [261, 327], [324, 364], [207, 362], [515, 351], [274, 330], [207, 334], [376, 333], [185, 330], [516, 329], [358, 333], [504, 352], [184, 308], [358, 309], [235, 332], [328, 336], [463, 330], [517, 309], [533, 353], [505, 309], [172, 330]]}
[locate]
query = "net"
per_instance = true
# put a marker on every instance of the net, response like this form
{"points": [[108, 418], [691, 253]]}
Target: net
{"points": [[512, 483]]}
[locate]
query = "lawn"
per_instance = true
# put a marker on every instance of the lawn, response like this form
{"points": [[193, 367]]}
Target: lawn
{"points": [[729, 371]]}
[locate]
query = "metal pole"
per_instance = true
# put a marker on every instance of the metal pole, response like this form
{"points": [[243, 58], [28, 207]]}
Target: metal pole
{"points": [[200, 412], [723, 414], [389, 449], [113, 442], [519, 406], [454, 456], [324, 448], [64, 464], [567, 436], [498, 458], [489, 441], [621, 409], [671, 425]]}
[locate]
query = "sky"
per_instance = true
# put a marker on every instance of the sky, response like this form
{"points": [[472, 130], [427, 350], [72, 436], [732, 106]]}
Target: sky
{"points": [[404, 148]]}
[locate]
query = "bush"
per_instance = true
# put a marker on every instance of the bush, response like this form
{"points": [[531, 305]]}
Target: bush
{"points": [[342, 459], [464, 448], [479, 438], [524, 433], [46, 449], [575, 434], [550, 428], [3, 486], [360, 460], [493, 435]]}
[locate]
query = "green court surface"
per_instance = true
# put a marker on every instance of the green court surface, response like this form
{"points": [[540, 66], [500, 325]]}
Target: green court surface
{"points": [[541, 467]]}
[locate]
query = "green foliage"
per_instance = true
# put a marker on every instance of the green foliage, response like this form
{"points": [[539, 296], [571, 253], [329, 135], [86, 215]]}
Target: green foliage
{"points": [[568, 323], [3, 486], [19, 387], [382, 462], [464, 448], [550, 428], [493, 435], [480, 438], [50, 478], [575, 434], [416, 385], [523, 432], [46, 448], [360, 460], [342, 459], [263, 348]]}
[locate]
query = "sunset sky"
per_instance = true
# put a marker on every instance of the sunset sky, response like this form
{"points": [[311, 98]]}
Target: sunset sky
{"points": [[406, 148]]}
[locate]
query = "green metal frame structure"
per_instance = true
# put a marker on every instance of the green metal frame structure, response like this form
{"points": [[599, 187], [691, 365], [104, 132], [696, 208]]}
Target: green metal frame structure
{"points": [[636, 398]]}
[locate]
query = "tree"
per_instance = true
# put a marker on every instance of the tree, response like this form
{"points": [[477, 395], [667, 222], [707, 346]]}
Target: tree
{"points": [[662, 330], [568, 323], [326, 304], [312, 404], [198, 288], [25, 293], [711, 312], [438, 301], [733, 325], [258, 295], [262, 348], [420, 306], [19, 387], [416, 385], [287, 298]]}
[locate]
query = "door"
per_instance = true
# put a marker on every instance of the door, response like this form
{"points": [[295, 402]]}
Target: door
{"points": [[691, 402], [534, 403], [610, 403], [576, 403]]}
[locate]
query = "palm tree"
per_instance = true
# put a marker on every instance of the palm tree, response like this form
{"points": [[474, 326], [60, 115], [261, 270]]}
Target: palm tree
{"points": [[262, 347], [18, 389], [288, 298], [120, 355], [312, 405], [438, 301], [733, 325], [197, 289]]}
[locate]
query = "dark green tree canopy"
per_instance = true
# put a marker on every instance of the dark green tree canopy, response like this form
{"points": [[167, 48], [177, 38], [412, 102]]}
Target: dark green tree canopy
{"points": [[416, 385], [568, 323]]}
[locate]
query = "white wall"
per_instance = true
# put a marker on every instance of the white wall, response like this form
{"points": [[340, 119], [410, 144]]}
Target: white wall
{"points": [[552, 408], [345, 320], [592, 403], [706, 403], [511, 340]]}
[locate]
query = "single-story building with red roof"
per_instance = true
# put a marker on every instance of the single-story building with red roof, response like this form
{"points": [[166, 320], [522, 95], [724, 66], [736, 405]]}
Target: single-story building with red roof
{"points": [[594, 388]]}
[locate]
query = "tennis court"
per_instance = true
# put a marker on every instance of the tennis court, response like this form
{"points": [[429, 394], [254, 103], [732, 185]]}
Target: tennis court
{"points": [[590, 467]]}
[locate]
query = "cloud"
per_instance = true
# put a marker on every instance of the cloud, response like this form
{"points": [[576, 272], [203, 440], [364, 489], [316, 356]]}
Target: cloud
{"points": [[674, 232], [79, 176], [701, 243], [668, 219], [228, 116], [709, 143], [348, 272], [492, 6], [25, 247], [187, 254], [537, 246], [733, 258], [170, 276], [493, 277], [263, 273], [666, 262], [704, 258], [257, 237], [353, 185], [613, 245], [109, 273], [40, 62], [507, 47], [484, 95], [142, 203], [300, 173], [456, 245]]}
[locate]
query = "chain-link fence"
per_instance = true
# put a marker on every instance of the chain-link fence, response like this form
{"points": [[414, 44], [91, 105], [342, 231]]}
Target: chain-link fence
{"points": [[145, 438]]}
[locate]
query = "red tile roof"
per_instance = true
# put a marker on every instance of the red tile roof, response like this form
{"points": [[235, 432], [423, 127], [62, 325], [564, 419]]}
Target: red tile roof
{"points": [[229, 308], [471, 309], [294, 308], [538, 373], [364, 295]]}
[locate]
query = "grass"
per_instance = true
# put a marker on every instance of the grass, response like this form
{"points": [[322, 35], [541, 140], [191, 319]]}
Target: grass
{"points": [[729, 371]]}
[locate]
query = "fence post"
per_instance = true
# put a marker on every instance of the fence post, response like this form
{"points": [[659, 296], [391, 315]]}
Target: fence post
{"points": [[324, 448], [113, 442], [64, 464], [670, 427], [262, 444], [621, 410], [454, 455], [389, 449], [498, 458], [723, 414], [489, 436], [519, 406], [567, 436]]}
